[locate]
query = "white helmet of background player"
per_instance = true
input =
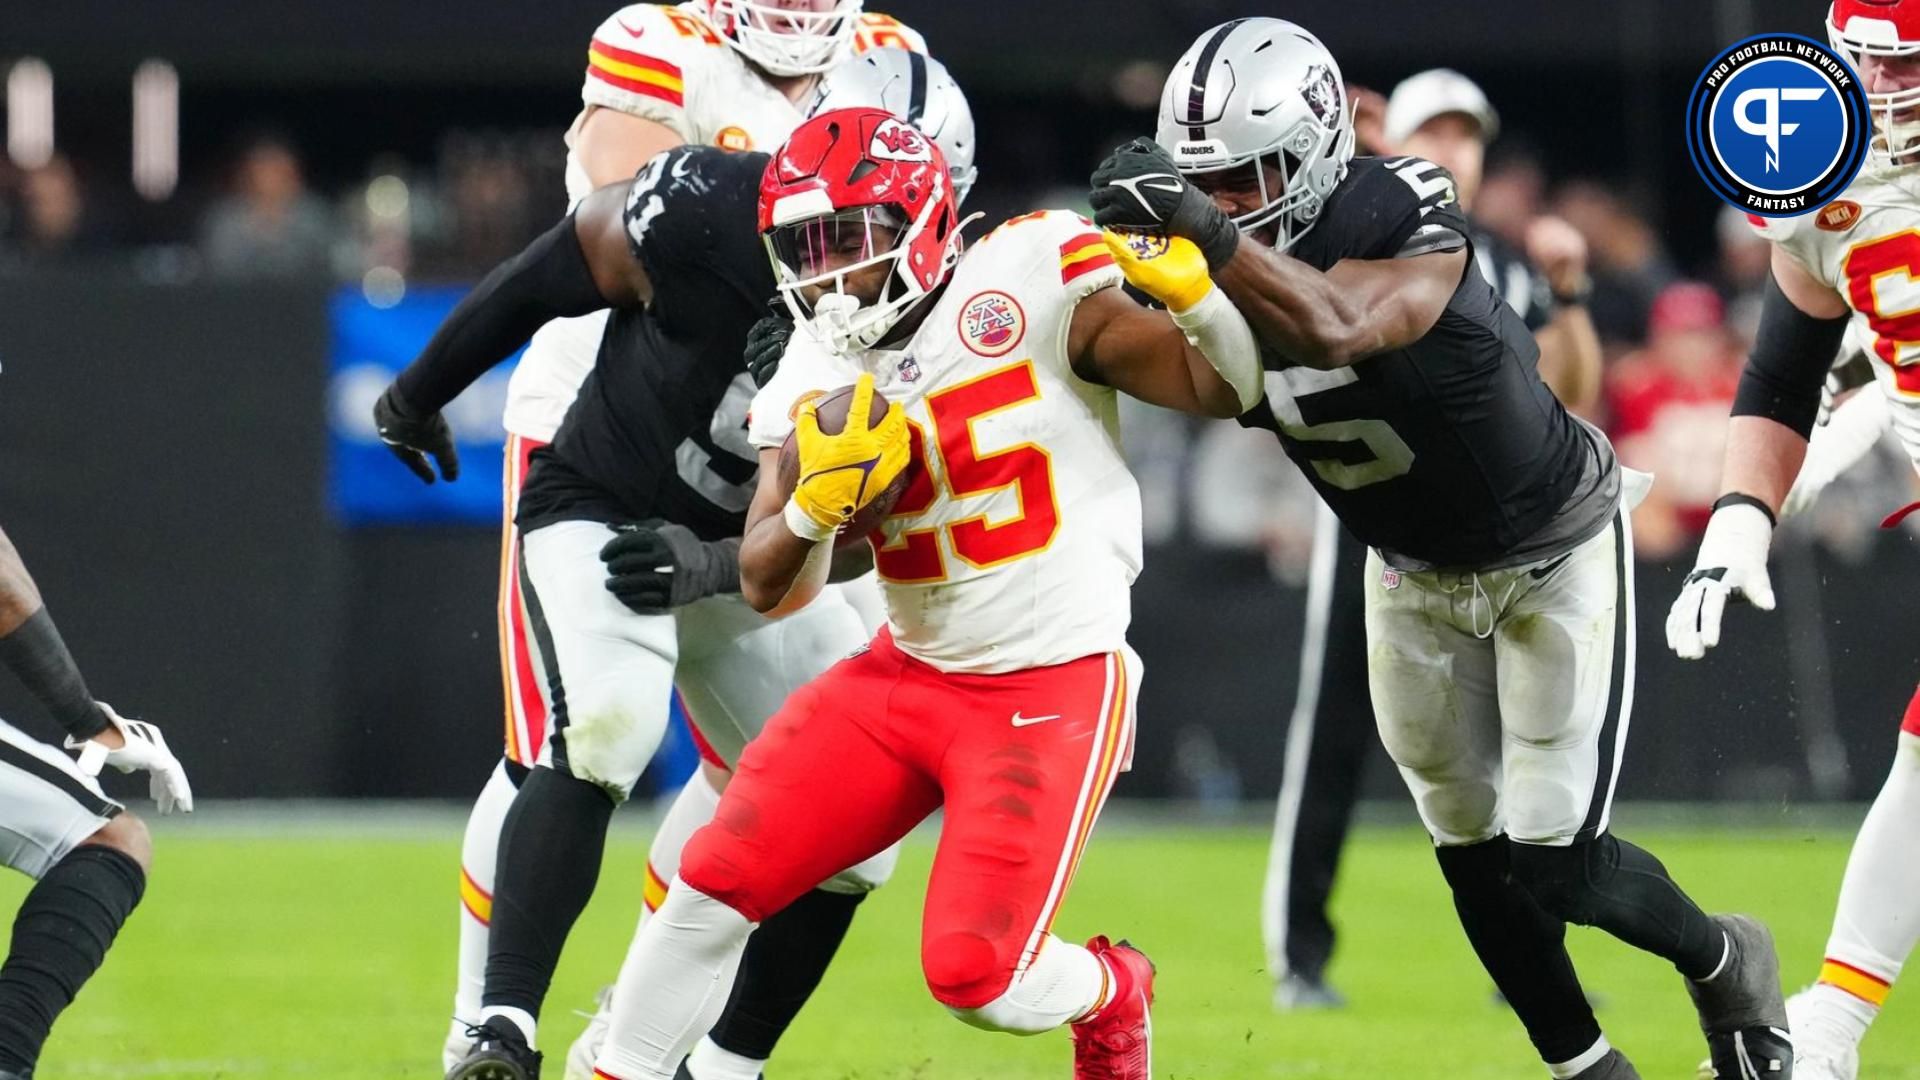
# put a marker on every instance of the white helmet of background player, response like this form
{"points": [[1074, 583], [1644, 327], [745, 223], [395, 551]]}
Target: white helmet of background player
{"points": [[1884, 33], [788, 37], [916, 88], [1261, 95]]}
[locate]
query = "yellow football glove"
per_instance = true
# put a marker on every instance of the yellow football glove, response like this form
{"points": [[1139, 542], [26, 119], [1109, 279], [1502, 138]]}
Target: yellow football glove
{"points": [[841, 473], [1168, 268]]}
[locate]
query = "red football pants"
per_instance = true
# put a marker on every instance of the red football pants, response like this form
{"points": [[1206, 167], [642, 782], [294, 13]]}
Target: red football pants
{"points": [[855, 759]]}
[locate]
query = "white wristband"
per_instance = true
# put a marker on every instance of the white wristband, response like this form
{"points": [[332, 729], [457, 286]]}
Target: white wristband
{"points": [[1216, 328], [801, 524]]}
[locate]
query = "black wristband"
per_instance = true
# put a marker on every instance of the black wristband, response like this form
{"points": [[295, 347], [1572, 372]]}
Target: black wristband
{"points": [[1736, 498], [37, 656]]}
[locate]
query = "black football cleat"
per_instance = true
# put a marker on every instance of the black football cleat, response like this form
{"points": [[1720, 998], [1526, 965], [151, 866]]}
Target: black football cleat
{"points": [[499, 1052], [1742, 1010]]}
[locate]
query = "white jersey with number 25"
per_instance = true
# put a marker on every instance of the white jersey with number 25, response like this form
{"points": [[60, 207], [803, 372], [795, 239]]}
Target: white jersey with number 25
{"points": [[1018, 536]]}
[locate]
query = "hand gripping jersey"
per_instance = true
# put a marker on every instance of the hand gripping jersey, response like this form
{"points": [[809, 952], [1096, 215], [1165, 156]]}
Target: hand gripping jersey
{"points": [[1449, 453], [1865, 245], [664, 64], [659, 427], [1018, 536]]}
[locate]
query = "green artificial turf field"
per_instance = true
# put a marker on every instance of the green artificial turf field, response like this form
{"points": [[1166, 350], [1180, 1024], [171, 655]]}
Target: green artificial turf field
{"points": [[325, 950]]}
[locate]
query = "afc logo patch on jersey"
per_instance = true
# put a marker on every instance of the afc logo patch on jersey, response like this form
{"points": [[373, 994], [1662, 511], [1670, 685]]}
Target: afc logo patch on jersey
{"points": [[992, 324], [896, 140]]}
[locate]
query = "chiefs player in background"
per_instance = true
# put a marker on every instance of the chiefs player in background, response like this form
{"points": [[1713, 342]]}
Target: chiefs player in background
{"points": [[1848, 264], [737, 74]]}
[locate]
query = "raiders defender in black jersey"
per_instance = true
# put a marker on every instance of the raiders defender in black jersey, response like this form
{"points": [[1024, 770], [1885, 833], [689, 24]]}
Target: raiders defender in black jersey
{"points": [[631, 522], [1499, 593]]}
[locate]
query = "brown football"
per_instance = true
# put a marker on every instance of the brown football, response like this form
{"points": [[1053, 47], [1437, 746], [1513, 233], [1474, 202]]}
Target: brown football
{"points": [[833, 420]]}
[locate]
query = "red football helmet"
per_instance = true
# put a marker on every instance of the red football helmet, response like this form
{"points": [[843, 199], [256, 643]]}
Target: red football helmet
{"points": [[1879, 29], [788, 37], [852, 189]]}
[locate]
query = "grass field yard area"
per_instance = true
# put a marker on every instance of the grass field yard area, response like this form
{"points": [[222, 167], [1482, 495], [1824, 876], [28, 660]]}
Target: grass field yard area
{"points": [[326, 951]]}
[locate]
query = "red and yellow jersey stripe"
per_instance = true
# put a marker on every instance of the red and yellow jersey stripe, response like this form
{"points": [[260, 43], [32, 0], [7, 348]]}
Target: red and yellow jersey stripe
{"points": [[1082, 255], [636, 73]]}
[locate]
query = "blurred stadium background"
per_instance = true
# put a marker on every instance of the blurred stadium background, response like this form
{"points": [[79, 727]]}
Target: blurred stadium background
{"points": [[224, 224]]}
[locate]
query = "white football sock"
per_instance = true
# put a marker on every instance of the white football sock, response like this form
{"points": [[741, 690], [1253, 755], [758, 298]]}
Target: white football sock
{"points": [[693, 807], [1878, 921], [674, 984], [519, 1018], [477, 853], [709, 1062], [1565, 1070], [1063, 984]]}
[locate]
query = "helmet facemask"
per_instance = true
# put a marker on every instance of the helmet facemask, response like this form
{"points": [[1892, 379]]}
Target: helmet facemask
{"points": [[828, 250], [787, 42], [1896, 114], [1282, 169]]}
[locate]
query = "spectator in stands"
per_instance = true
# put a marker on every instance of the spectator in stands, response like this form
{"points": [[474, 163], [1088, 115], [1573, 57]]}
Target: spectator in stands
{"points": [[1669, 403], [53, 220], [1743, 272], [269, 224], [1629, 265]]}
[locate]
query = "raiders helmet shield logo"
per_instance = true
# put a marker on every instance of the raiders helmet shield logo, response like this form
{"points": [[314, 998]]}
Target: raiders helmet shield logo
{"points": [[1323, 97], [992, 324]]}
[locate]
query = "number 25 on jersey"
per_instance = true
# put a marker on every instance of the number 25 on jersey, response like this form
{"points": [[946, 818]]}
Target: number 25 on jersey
{"points": [[916, 555]]}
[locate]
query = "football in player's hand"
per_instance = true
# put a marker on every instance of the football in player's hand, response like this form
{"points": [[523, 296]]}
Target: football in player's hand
{"points": [[832, 413]]}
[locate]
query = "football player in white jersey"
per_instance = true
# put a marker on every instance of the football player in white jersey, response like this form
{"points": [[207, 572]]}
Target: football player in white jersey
{"points": [[729, 73], [1002, 686], [1851, 266]]}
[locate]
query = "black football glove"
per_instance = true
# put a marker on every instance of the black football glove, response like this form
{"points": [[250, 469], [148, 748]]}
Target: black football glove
{"points": [[1139, 188], [766, 343], [412, 437], [657, 566]]}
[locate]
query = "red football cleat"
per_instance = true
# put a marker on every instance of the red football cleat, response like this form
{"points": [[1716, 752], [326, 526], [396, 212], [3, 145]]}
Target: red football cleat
{"points": [[1116, 1043]]}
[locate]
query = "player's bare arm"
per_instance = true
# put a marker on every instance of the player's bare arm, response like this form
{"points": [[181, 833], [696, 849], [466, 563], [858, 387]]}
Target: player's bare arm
{"points": [[1802, 320], [613, 145], [1359, 308], [1142, 353], [771, 555]]}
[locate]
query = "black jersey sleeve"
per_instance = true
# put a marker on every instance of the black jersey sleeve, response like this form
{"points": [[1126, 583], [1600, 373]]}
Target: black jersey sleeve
{"points": [[692, 221], [1406, 206]]}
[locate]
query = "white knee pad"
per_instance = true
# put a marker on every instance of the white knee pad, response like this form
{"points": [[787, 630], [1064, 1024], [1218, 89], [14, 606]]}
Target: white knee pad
{"points": [[866, 876]]}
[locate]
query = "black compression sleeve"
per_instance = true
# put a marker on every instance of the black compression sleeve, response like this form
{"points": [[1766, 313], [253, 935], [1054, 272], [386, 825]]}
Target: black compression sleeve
{"points": [[1792, 354], [549, 280], [37, 655]]}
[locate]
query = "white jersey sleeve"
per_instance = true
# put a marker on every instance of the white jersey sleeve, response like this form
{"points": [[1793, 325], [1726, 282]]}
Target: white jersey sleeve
{"points": [[806, 368], [638, 62]]}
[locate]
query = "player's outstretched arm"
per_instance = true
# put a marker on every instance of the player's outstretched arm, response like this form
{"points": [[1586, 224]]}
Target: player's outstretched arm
{"points": [[1801, 323], [1357, 309], [1147, 355], [577, 267]]}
